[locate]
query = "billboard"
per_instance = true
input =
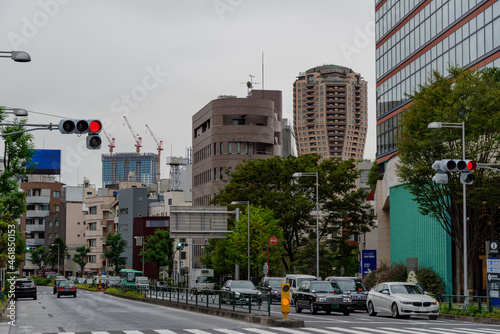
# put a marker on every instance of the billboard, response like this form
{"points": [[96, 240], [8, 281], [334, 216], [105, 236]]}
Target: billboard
{"points": [[46, 162]]}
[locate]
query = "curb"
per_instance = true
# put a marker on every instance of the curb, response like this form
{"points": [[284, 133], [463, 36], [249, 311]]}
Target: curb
{"points": [[491, 321], [248, 317]]}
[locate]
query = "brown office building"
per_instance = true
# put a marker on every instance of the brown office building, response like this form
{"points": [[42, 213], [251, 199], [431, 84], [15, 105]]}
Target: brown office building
{"points": [[229, 130], [330, 112]]}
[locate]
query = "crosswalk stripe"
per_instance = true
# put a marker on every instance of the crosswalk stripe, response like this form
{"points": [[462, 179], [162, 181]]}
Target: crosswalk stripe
{"points": [[164, 331], [439, 331], [319, 330], [100, 332], [476, 330], [346, 330], [288, 330], [132, 332], [257, 330], [197, 331], [227, 331], [382, 331]]}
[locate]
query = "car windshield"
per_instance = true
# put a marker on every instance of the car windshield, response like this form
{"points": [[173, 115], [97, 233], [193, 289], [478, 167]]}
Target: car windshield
{"points": [[274, 283], [325, 287], [142, 280], [351, 285], [406, 289], [243, 285], [205, 279]]}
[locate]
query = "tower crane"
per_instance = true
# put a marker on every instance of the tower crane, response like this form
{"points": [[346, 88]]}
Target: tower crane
{"points": [[159, 146], [138, 140], [111, 143]]}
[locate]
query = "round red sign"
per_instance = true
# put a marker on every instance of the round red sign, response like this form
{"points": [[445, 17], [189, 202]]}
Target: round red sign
{"points": [[273, 240]]}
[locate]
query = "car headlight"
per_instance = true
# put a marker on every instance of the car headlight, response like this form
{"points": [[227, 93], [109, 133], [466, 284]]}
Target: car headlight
{"points": [[321, 299], [346, 300], [274, 292], [405, 302]]}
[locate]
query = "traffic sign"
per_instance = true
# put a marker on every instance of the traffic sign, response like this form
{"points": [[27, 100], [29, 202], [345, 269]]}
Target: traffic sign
{"points": [[273, 240]]}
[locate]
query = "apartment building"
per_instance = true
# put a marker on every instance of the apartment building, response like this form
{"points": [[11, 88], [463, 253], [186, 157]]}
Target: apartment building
{"points": [[229, 130], [330, 112]]}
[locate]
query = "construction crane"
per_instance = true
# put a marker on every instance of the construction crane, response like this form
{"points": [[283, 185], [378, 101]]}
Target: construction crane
{"points": [[138, 140], [159, 146], [111, 143]]}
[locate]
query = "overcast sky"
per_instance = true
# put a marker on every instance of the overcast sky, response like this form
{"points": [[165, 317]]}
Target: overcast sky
{"points": [[158, 62]]}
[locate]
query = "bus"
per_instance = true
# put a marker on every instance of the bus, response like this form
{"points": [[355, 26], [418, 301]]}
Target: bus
{"points": [[128, 276]]}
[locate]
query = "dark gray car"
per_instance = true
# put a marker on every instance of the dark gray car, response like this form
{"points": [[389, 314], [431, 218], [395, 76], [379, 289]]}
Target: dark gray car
{"points": [[322, 296], [355, 287], [242, 291]]}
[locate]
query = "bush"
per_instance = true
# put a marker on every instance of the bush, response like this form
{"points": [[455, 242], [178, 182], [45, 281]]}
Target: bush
{"points": [[386, 273], [430, 280], [43, 281]]}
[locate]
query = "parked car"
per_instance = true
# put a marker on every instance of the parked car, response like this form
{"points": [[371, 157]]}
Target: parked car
{"points": [[66, 288], [243, 291], [161, 284], [295, 280], [89, 281], [355, 287], [56, 283], [322, 296], [401, 300], [112, 280], [24, 288], [80, 280], [271, 286]]}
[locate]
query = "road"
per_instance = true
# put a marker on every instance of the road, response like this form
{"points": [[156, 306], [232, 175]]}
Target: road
{"points": [[97, 313]]}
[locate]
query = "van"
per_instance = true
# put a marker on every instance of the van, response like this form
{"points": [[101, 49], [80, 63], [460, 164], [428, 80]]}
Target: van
{"points": [[295, 280]]}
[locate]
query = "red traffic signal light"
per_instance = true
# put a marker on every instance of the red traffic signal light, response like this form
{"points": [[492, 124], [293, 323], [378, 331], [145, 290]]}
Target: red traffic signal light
{"points": [[95, 126]]}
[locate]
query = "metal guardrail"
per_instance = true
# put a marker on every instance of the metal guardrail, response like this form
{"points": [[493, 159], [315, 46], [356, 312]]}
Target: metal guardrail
{"points": [[208, 298], [464, 303]]}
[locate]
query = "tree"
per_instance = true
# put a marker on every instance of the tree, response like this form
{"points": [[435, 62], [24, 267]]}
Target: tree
{"points": [[80, 257], [57, 253], [11, 256], [159, 249], [115, 245], [39, 257], [468, 96], [374, 176], [269, 183]]}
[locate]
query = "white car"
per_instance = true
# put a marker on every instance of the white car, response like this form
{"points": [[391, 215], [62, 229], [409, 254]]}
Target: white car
{"points": [[401, 300]]}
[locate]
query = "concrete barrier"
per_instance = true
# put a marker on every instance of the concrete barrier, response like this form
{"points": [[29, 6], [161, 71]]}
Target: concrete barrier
{"points": [[242, 316]]}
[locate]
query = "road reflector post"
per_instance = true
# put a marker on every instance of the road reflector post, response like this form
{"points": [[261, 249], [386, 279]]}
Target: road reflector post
{"points": [[285, 299]]}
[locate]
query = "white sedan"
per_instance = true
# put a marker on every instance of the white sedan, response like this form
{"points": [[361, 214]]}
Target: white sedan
{"points": [[401, 300]]}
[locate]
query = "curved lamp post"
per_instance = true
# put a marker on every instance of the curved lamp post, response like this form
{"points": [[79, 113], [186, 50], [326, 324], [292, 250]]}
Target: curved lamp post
{"points": [[16, 111], [19, 56], [439, 125], [317, 216]]}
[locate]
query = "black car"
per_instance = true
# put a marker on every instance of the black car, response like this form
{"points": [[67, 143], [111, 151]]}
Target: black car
{"points": [[56, 283], [242, 291], [322, 296], [24, 288], [355, 287], [271, 286], [66, 288]]}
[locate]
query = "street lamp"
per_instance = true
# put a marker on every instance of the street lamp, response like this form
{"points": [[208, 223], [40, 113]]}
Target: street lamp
{"points": [[248, 233], [439, 125], [317, 216], [19, 56], [142, 241], [16, 111], [58, 271]]}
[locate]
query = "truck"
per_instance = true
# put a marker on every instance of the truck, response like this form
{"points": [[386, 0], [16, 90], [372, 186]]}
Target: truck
{"points": [[202, 279]]}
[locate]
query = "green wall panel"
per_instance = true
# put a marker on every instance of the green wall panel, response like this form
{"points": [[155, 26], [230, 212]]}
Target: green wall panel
{"points": [[416, 235]]}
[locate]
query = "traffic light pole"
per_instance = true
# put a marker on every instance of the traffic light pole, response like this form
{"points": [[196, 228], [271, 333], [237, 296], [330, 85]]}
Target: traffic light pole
{"points": [[38, 127], [464, 215]]}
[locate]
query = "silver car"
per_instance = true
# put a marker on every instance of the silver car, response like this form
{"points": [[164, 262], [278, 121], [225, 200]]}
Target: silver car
{"points": [[401, 300]]}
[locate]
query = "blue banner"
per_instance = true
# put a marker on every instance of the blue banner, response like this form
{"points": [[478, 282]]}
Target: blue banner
{"points": [[368, 261]]}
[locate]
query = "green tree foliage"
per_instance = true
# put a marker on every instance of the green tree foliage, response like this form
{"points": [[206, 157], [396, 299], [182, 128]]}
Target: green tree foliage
{"points": [[472, 97], [269, 183], [80, 257], [39, 256], [386, 273], [430, 280], [56, 253], [374, 176], [159, 249], [8, 228], [115, 246]]}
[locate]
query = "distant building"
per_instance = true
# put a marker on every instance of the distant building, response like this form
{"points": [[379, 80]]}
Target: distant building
{"points": [[288, 140], [139, 167], [330, 112], [229, 130]]}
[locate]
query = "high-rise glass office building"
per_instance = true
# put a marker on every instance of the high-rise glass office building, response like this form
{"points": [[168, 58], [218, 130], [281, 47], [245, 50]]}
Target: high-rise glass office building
{"points": [[414, 38], [141, 167]]}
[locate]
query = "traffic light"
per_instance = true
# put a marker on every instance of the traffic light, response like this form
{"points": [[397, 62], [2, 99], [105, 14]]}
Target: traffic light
{"points": [[181, 245], [467, 178], [94, 141], [78, 126], [285, 299], [441, 177]]}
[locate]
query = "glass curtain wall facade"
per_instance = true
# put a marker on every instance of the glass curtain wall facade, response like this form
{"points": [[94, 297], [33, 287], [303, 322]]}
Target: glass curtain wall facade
{"points": [[142, 167], [414, 38]]}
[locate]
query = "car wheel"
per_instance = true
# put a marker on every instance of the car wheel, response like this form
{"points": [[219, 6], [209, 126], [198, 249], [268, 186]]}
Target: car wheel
{"points": [[433, 317], [371, 310], [58, 296], [347, 312], [395, 311], [312, 308], [328, 312], [298, 309], [34, 298]]}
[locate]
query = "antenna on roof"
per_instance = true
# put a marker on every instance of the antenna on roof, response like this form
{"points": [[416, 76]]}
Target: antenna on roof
{"points": [[250, 84]]}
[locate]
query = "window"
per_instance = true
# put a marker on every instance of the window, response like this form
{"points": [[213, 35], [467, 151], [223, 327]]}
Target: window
{"points": [[57, 208], [91, 258], [36, 192], [56, 223], [56, 194], [41, 221], [221, 148], [183, 255], [93, 210], [30, 222], [50, 223], [93, 226], [229, 148], [91, 243]]}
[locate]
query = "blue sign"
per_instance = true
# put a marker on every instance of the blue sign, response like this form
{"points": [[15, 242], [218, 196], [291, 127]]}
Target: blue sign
{"points": [[368, 261]]}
